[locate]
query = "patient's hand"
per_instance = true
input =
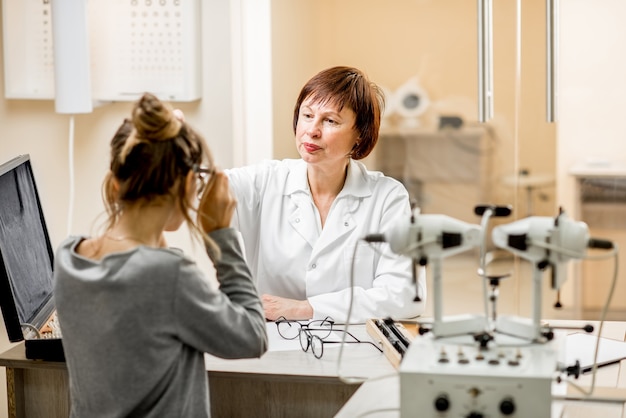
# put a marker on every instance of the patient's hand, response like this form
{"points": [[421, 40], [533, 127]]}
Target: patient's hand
{"points": [[275, 307], [217, 204]]}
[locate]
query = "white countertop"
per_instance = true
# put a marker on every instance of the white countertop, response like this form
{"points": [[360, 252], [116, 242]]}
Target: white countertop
{"points": [[599, 169]]}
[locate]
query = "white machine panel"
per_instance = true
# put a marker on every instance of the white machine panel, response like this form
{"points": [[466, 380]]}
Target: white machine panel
{"points": [[444, 378]]}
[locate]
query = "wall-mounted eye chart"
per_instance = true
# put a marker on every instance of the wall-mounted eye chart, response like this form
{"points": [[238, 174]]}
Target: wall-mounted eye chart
{"points": [[135, 46], [28, 53]]}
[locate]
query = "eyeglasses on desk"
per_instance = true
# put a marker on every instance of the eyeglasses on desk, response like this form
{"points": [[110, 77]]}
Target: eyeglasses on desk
{"points": [[313, 334]]}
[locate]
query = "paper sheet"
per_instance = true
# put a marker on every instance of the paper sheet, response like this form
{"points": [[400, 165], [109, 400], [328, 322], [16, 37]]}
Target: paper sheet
{"points": [[278, 343], [580, 346]]}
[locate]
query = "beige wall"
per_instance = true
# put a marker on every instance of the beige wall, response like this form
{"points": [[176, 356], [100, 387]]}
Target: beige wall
{"points": [[391, 41], [297, 54], [591, 124], [32, 127], [436, 41], [591, 129]]}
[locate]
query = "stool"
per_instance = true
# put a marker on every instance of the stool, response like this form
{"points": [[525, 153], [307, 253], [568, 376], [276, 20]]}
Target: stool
{"points": [[530, 182]]}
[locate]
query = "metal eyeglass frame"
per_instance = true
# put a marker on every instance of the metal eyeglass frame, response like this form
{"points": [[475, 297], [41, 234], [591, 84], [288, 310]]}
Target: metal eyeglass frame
{"points": [[312, 334], [308, 339], [290, 329], [204, 176]]}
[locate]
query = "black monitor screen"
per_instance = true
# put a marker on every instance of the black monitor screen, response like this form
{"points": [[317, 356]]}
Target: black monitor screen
{"points": [[26, 256]]}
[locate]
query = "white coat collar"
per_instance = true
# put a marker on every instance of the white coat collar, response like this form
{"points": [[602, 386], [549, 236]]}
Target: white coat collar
{"points": [[356, 181], [296, 179], [340, 220]]}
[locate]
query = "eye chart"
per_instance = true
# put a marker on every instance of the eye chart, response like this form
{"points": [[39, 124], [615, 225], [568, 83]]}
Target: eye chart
{"points": [[135, 46]]}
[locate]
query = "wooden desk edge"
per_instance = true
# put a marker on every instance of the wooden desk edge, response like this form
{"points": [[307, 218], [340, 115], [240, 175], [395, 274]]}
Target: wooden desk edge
{"points": [[296, 378], [15, 357]]}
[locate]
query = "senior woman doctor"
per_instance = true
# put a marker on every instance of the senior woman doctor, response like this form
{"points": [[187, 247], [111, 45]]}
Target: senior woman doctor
{"points": [[301, 219]]}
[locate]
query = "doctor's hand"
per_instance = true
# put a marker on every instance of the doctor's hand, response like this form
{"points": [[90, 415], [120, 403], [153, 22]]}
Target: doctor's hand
{"points": [[275, 307], [217, 204]]}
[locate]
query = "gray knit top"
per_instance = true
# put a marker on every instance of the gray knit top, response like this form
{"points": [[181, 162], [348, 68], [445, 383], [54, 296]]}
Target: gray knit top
{"points": [[135, 325]]}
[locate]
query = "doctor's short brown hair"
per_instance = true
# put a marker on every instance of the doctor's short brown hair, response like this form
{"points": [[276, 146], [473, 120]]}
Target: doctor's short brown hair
{"points": [[348, 87]]}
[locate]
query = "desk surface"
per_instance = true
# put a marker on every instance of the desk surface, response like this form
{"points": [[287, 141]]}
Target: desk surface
{"points": [[283, 382], [378, 393], [358, 360], [381, 397]]}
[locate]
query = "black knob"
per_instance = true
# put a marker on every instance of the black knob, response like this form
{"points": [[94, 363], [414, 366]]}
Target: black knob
{"points": [[588, 328], [442, 403], [574, 370], [507, 406], [475, 415]]}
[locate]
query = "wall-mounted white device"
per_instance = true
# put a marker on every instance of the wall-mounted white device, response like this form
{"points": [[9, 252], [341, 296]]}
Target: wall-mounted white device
{"points": [[133, 46], [72, 80]]}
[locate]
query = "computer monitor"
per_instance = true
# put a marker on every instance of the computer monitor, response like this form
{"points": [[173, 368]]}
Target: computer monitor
{"points": [[26, 255]]}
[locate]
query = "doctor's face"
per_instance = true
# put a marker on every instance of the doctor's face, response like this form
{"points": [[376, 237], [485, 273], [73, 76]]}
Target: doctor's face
{"points": [[325, 135]]}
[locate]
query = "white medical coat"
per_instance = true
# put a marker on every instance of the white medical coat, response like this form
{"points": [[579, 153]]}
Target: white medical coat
{"points": [[292, 256]]}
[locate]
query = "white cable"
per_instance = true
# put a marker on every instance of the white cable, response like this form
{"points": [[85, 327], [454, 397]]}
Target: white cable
{"points": [[418, 244], [31, 328], [484, 223], [605, 308], [70, 209], [614, 253], [516, 128], [351, 380], [377, 411]]}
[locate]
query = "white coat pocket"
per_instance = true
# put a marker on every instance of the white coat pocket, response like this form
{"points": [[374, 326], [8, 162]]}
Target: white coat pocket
{"points": [[360, 264]]}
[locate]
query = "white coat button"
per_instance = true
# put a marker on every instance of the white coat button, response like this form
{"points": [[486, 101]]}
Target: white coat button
{"points": [[297, 220], [346, 224], [313, 266]]}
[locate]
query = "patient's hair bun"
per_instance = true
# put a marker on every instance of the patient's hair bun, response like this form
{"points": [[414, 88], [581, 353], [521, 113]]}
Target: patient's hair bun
{"points": [[154, 120]]}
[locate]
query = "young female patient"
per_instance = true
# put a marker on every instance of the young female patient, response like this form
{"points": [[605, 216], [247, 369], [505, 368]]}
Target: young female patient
{"points": [[136, 316]]}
